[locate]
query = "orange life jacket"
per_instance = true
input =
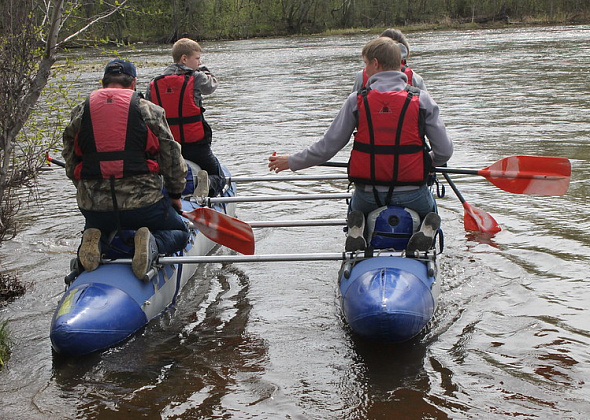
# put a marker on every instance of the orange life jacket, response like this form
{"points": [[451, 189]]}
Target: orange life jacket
{"points": [[114, 141], [389, 145], [174, 93]]}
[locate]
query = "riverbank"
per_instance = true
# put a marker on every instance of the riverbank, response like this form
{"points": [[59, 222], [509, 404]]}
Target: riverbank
{"points": [[476, 23], [4, 344], [457, 25]]}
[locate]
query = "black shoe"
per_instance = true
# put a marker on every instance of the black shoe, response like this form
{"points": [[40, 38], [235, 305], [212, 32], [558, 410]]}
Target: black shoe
{"points": [[89, 251], [424, 238], [355, 240], [146, 253]]}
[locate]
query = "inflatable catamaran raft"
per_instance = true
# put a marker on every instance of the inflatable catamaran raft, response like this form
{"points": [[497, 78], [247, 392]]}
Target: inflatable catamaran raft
{"points": [[385, 294]]}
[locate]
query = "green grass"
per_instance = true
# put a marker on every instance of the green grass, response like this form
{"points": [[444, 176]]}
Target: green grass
{"points": [[4, 344]]}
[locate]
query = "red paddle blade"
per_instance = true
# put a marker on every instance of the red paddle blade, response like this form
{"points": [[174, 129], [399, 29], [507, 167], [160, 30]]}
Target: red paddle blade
{"points": [[478, 220], [223, 229], [536, 175]]}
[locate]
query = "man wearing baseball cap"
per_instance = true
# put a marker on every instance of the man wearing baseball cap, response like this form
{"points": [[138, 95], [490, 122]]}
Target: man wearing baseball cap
{"points": [[118, 66], [120, 153]]}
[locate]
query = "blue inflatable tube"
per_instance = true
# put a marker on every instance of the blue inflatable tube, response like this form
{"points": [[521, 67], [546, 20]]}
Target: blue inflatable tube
{"points": [[388, 298], [102, 308]]}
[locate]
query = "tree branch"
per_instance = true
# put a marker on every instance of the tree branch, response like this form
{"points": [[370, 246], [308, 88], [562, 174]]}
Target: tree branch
{"points": [[98, 18]]}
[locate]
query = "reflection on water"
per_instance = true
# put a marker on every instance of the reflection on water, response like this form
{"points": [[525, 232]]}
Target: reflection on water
{"points": [[510, 336]]}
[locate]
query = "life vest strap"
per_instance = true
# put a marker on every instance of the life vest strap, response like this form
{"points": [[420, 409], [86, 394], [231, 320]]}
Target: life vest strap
{"points": [[185, 120], [387, 149]]}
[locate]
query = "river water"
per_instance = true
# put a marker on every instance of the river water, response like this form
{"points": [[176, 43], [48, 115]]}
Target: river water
{"points": [[266, 340]]}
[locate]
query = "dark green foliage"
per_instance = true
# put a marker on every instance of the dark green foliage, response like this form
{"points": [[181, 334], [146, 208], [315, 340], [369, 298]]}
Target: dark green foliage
{"points": [[166, 21], [4, 344]]}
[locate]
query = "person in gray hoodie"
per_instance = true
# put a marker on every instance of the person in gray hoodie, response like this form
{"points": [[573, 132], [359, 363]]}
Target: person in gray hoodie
{"points": [[378, 180]]}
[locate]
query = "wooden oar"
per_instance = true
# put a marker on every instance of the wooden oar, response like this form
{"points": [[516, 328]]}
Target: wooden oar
{"points": [[475, 219], [223, 229], [534, 175]]}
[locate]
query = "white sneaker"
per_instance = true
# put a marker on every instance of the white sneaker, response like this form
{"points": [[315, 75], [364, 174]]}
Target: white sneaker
{"points": [[202, 189]]}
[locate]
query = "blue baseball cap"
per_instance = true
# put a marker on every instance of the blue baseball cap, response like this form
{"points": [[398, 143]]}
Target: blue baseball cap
{"points": [[118, 66]]}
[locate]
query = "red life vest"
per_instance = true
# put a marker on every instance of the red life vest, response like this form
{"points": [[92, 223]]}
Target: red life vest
{"points": [[389, 145], [174, 93], [404, 69], [365, 78], [114, 141], [409, 73]]}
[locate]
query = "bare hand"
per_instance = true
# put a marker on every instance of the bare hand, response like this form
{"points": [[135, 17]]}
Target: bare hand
{"points": [[278, 163]]}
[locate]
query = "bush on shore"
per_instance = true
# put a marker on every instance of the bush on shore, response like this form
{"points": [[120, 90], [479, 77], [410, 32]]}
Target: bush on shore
{"points": [[10, 289]]}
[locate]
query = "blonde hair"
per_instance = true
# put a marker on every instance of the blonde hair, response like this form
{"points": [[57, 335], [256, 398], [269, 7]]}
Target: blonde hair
{"points": [[385, 50], [184, 46]]}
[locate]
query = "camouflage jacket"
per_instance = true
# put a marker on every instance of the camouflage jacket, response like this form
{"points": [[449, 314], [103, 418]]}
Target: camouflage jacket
{"points": [[135, 191]]}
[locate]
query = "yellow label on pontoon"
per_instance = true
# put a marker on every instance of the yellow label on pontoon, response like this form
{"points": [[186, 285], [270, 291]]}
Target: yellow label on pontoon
{"points": [[66, 305]]}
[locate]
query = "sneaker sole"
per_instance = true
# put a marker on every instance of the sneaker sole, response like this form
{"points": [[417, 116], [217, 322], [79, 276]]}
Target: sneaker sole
{"points": [[431, 224], [419, 242], [89, 253], [354, 244], [355, 239], [423, 239], [202, 189], [141, 261]]}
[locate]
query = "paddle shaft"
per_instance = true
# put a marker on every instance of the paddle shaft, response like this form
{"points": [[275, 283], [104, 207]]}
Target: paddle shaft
{"points": [[286, 178], [454, 187], [297, 223], [245, 178], [532, 175], [57, 162], [482, 172], [335, 164], [474, 219]]}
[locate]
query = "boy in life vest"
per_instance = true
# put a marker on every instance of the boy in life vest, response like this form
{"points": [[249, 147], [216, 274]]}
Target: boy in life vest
{"points": [[120, 153], [390, 160], [414, 79], [179, 90]]}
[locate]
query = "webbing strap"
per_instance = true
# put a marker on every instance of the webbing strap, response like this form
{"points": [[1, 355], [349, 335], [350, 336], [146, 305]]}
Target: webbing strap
{"points": [[398, 137]]}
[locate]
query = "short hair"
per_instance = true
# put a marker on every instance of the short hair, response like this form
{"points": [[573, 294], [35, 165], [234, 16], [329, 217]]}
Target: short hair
{"points": [[117, 78], [385, 50], [397, 35], [184, 46]]}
